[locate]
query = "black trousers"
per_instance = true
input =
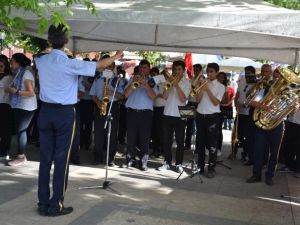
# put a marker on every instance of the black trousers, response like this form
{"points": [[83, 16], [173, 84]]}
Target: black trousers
{"points": [[75, 146], [190, 127], [138, 133], [86, 122], [207, 136], [220, 138], [101, 134], [291, 146], [245, 135], [122, 123], [5, 128], [170, 125], [57, 127], [156, 132]]}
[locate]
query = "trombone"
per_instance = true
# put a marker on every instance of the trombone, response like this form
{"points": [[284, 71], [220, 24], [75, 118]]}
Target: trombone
{"points": [[195, 91]]}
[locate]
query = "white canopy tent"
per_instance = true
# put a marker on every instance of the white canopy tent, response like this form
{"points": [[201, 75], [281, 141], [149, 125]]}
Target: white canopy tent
{"points": [[248, 28], [240, 62]]}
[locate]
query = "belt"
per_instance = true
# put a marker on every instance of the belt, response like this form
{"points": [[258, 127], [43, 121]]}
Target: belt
{"points": [[209, 115], [56, 104], [139, 110]]}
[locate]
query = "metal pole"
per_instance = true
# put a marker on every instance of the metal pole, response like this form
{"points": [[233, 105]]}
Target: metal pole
{"points": [[296, 59]]}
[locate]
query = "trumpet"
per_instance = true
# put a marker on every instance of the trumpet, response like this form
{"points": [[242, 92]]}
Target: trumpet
{"points": [[169, 81], [136, 83], [195, 91]]}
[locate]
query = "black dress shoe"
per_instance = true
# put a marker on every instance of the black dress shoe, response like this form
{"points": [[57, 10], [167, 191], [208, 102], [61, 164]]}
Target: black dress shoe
{"points": [[43, 211], [62, 212], [253, 179], [269, 181], [248, 163]]}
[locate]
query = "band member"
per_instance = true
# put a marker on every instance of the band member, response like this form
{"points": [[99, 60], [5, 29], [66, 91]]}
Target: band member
{"points": [[208, 119], [87, 109], [266, 141], [291, 143], [58, 92], [158, 110], [140, 96], [102, 93], [245, 121], [175, 96], [191, 122]]}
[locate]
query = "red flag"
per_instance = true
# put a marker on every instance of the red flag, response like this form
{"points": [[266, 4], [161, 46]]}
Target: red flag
{"points": [[189, 64]]}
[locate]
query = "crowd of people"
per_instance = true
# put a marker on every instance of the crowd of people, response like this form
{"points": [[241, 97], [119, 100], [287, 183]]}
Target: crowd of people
{"points": [[74, 97]]}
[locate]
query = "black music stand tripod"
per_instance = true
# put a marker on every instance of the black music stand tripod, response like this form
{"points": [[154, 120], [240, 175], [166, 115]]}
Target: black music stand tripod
{"points": [[185, 113], [106, 184]]}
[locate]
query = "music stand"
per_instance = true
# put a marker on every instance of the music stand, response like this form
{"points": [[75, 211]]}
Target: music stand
{"points": [[185, 113]]}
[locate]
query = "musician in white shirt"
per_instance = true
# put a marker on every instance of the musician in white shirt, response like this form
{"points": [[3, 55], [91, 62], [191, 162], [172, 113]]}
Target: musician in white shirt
{"points": [[176, 96], [208, 119]]}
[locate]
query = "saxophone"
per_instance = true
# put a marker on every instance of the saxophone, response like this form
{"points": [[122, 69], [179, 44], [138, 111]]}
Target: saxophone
{"points": [[281, 98], [105, 99]]}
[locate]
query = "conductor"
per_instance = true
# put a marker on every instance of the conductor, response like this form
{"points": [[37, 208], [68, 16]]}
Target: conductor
{"points": [[58, 77]]}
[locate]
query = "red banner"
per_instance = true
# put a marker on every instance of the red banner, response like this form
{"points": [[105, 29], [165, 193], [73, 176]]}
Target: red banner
{"points": [[189, 64]]}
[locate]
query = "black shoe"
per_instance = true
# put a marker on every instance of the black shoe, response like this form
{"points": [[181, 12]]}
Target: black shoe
{"points": [[253, 179], [248, 163], [111, 164], [62, 212], [211, 173], [269, 181], [43, 211]]}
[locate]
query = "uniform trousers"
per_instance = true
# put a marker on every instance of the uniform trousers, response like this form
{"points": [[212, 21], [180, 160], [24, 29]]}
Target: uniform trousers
{"points": [[56, 129], [266, 140], [86, 122], [207, 136], [5, 128], [156, 132], [76, 140], [139, 124], [101, 134], [173, 124], [190, 127], [246, 135], [291, 146], [122, 123]]}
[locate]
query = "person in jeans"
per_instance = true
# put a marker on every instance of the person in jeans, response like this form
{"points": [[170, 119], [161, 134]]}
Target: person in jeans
{"points": [[23, 102], [5, 109]]}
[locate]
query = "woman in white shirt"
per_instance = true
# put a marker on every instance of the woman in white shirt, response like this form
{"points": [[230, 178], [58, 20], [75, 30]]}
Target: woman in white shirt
{"points": [[22, 101], [5, 109]]}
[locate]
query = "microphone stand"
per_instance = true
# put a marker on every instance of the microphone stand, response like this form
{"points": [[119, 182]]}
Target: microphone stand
{"points": [[106, 184]]}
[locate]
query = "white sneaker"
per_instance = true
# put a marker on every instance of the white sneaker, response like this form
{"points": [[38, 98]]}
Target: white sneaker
{"points": [[219, 153], [164, 167], [179, 168]]}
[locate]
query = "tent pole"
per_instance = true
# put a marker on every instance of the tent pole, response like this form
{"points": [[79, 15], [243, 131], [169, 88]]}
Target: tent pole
{"points": [[155, 37], [74, 46], [296, 59]]}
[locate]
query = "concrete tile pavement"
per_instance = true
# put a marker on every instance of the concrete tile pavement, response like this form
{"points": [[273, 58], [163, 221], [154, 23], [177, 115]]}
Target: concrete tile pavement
{"points": [[153, 197]]}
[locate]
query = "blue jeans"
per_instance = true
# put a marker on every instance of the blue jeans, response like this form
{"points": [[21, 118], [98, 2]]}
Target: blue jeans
{"points": [[22, 120], [266, 140]]}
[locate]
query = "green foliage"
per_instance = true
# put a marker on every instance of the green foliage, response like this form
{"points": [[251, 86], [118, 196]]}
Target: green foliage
{"points": [[290, 4], [48, 11], [155, 58]]}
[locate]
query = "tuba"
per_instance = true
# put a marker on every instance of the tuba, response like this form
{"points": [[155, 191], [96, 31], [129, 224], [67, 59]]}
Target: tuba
{"points": [[105, 99], [195, 91], [281, 98]]}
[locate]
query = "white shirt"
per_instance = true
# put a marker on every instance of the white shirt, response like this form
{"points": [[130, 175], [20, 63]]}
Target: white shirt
{"points": [[206, 106], [295, 118], [172, 102], [159, 101], [243, 89], [4, 83], [27, 103]]}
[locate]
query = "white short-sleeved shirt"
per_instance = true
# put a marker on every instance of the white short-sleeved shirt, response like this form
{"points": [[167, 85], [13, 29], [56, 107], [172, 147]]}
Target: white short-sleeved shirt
{"points": [[206, 106], [159, 101], [243, 89], [58, 76], [4, 83], [24, 102], [172, 102]]}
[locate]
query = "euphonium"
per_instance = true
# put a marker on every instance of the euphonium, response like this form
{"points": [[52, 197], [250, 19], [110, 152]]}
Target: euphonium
{"points": [[105, 99], [280, 99], [195, 91]]}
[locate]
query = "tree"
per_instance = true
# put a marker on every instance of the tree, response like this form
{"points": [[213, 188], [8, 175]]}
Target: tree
{"points": [[290, 4], [58, 9], [153, 57]]}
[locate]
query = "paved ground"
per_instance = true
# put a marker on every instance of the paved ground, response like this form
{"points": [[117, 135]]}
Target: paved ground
{"points": [[153, 197]]}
